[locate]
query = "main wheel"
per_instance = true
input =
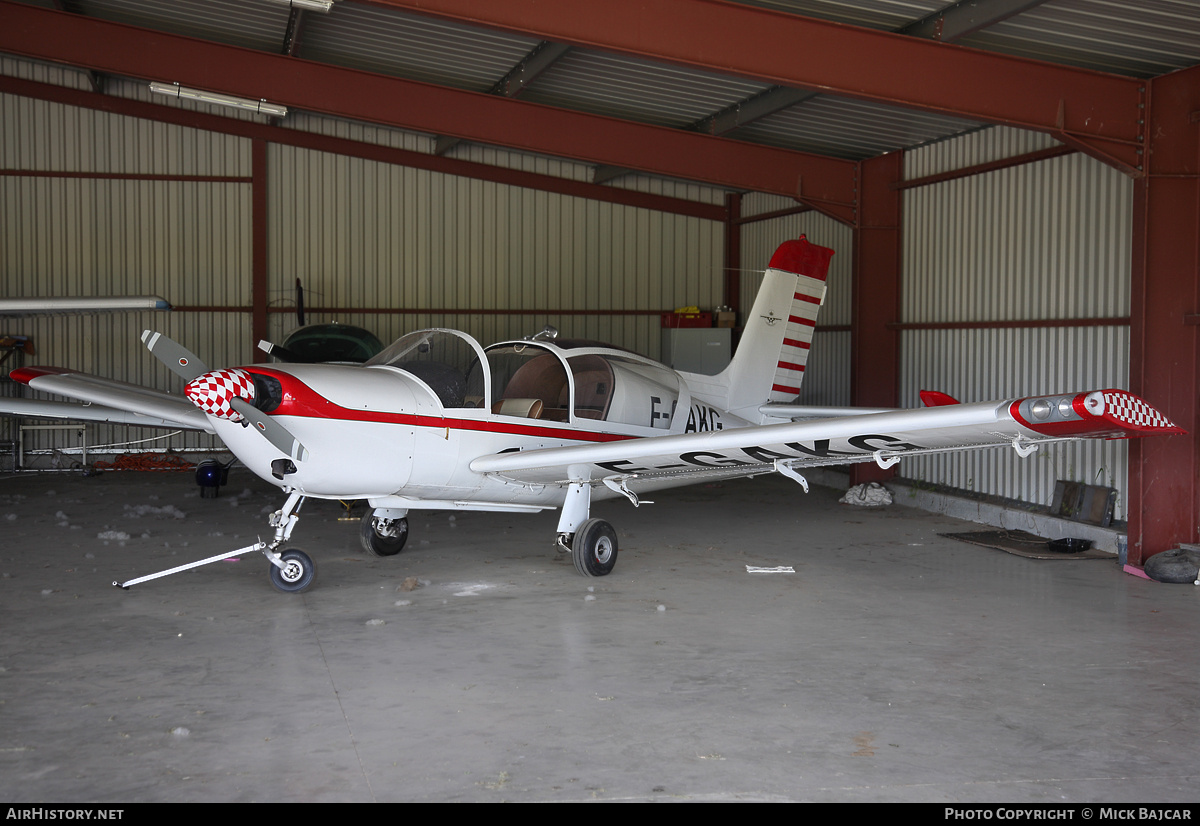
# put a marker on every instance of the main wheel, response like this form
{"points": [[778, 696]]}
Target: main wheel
{"points": [[379, 544], [594, 548], [297, 574]]}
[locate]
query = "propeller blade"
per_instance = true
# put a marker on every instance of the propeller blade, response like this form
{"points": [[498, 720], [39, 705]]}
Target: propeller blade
{"points": [[299, 303], [274, 432], [278, 351], [180, 360]]}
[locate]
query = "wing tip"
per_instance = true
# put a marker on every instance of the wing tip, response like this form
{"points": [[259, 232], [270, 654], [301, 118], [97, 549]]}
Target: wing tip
{"points": [[1110, 413], [28, 374]]}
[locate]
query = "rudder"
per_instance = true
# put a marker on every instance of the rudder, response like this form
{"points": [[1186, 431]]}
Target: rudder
{"points": [[777, 336]]}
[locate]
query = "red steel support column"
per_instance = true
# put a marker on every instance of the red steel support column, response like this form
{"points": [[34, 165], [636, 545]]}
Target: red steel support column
{"points": [[1164, 495], [874, 346], [258, 241]]}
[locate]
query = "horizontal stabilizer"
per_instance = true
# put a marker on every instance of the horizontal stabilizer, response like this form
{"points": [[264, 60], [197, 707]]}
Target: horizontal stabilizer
{"points": [[933, 398]]}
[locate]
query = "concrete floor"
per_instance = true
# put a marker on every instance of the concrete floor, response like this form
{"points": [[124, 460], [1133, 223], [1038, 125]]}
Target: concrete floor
{"points": [[893, 665]]}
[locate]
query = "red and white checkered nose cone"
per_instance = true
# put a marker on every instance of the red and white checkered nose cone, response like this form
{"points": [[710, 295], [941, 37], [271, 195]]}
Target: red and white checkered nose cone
{"points": [[213, 392]]}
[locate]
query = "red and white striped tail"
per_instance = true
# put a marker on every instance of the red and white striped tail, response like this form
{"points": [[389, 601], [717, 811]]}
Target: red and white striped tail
{"points": [[777, 333]]}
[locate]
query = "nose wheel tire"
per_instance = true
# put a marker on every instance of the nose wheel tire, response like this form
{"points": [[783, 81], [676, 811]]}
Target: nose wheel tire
{"points": [[297, 573], [594, 548], [376, 543]]}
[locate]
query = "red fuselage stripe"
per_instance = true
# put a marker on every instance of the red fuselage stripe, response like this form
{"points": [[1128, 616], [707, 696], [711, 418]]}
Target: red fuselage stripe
{"points": [[302, 401]]}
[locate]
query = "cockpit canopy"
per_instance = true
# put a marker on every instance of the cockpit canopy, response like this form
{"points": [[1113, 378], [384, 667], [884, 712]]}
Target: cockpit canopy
{"points": [[538, 380]]}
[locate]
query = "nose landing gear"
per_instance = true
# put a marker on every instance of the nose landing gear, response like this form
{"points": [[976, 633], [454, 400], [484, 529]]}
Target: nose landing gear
{"points": [[292, 571]]}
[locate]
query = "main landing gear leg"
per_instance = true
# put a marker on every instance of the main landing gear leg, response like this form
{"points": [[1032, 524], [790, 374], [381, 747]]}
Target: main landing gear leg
{"points": [[592, 543], [291, 570], [383, 531]]}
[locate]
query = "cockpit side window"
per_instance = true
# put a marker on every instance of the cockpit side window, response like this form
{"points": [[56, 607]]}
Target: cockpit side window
{"points": [[612, 387], [529, 381], [593, 386]]}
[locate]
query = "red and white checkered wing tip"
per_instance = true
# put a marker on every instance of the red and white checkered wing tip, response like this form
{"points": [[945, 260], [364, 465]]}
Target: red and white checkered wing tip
{"points": [[1133, 413], [214, 392], [1104, 413]]}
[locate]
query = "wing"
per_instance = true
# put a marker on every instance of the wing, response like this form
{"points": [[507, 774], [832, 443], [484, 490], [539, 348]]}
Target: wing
{"points": [[882, 437], [116, 400]]}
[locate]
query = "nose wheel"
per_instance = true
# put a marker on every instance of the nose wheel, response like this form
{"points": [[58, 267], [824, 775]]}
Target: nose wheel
{"points": [[297, 572], [594, 548]]}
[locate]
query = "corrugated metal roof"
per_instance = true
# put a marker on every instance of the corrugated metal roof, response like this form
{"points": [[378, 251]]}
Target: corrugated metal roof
{"points": [[1140, 39], [250, 25], [640, 90], [887, 15], [411, 46], [852, 129]]}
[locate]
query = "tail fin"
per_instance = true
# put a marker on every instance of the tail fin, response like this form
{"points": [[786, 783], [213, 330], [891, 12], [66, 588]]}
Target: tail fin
{"points": [[769, 363]]}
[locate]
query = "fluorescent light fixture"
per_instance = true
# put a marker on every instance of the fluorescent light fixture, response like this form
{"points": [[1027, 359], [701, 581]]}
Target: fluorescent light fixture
{"points": [[89, 304], [260, 106], [311, 5]]}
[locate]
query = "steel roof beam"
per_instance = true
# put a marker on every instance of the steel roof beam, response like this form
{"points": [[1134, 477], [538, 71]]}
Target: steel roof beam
{"points": [[355, 149], [539, 59], [826, 183], [966, 17], [731, 117], [950, 23], [293, 33], [1098, 112]]}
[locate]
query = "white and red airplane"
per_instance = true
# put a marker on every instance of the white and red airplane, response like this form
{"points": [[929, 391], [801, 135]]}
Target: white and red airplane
{"points": [[436, 421]]}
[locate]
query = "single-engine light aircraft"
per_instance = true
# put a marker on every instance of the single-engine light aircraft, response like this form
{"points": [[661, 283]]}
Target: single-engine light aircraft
{"points": [[435, 421]]}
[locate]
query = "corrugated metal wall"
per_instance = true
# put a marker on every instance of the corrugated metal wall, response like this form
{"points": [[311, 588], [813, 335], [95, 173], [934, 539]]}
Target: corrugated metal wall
{"points": [[366, 235], [187, 240], [1045, 241], [359, 234]]}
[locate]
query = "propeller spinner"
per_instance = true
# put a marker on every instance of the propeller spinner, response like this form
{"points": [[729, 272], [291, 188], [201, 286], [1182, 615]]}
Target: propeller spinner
{"points": [[226, 393]]}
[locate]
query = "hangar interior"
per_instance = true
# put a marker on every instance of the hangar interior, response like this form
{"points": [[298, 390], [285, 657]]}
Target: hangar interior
{"points": [[1005, 184], [1012, 192]]}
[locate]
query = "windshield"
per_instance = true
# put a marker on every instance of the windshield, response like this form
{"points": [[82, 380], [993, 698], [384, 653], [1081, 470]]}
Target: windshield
{"points": [[443, 359]]}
